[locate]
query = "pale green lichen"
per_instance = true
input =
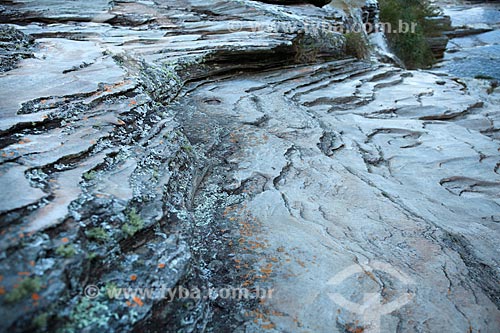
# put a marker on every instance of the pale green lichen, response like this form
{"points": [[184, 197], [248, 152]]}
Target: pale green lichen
{"points": [[134, 224], [40, 321], [187, 148], [24, 289], [87, 313], [90, 175]]}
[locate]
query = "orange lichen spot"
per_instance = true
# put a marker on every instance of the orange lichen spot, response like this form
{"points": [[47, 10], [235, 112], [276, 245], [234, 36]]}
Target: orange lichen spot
{"points": [[132, 103], [133, 277], [371, 276], [301, 263], [120, 122], [23, 273], [2, 290], [161, 265], [128, 303], [1, 278], [138, 301], [266, 271], [4, 154], [64, 239], [355, 329], [21, 235], [45, 116], [43, 101], [35, 297], [32, 263], [268, 326]]}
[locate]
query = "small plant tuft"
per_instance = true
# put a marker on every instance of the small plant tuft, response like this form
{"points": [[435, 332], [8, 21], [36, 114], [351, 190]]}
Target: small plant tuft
{"points": [[97, 234], [67, 250], [356, 45]]}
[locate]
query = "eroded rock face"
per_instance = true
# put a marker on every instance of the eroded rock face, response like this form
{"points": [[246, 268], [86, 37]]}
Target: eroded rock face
{"points": [[173, 144], [14, 46]]}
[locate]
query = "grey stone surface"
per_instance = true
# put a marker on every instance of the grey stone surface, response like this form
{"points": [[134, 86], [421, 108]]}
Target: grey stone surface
{"points": [[402, 188], [16, 190]]}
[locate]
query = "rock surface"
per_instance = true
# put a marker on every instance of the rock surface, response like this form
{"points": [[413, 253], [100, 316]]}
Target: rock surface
{"points": [[183, 144], [474, 48]]}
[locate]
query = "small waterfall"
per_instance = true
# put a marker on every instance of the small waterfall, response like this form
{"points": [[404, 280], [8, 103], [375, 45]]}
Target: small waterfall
{"points": [[358, 13], [376, 37]]}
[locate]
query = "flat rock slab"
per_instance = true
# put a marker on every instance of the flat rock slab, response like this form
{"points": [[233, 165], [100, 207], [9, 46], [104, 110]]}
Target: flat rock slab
{"points": [[16, 190], [403, 193]]}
